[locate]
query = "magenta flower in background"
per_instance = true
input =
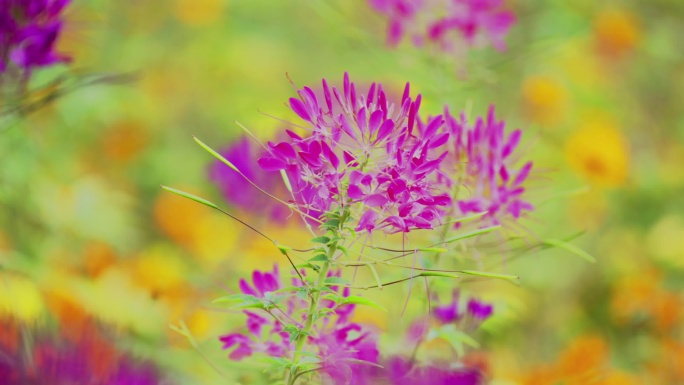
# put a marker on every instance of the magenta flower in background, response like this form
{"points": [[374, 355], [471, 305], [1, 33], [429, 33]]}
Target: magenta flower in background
{"points": [[29, 30], [446, 23], [240, 193], [467, 318], [484, 157], [403, 372], [367, 154]]}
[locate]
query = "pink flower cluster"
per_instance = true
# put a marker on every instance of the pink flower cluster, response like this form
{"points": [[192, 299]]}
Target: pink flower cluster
{"points": [[364, 151], [446, 22], [337, 340], [483, 155]]}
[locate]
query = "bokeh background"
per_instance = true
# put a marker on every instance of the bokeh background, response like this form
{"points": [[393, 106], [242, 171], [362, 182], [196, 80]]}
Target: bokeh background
{"points": [[90, 245]]}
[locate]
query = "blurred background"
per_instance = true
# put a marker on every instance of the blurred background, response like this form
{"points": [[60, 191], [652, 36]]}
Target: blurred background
{"points": [[94, 252]]}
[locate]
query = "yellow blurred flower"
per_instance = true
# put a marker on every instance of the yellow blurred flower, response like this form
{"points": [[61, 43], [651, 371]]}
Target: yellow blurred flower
{"points": [[616, 31], [544, 99], [599, 152], [20, 298], [159, 269], [115, 298], [199, 12], [214, 237]]}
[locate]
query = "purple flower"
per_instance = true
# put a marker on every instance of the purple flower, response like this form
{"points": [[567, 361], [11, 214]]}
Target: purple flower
{"points": [[483, 155], [448, 313], [444, 22], [339, 342], [238, 192], [265, 335], [366, 154], [480, 310], [29, 30]]}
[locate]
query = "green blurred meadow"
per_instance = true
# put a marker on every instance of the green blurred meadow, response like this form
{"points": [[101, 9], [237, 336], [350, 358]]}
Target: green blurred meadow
{"points": [[88, 237]]}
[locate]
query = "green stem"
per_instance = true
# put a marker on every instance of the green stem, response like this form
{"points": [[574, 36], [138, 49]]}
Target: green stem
{"points": [[310, 315]]}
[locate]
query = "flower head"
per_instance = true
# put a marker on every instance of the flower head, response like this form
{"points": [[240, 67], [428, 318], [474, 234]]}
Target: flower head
{"points": [[485, 155], [365, 154], [29, 30], [444, 22]]}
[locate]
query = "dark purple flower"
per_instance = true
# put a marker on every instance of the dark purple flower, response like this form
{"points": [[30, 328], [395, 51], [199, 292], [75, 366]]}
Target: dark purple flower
{"points": [[449, 312], [29, 30], [480, 310], [238, 191]]}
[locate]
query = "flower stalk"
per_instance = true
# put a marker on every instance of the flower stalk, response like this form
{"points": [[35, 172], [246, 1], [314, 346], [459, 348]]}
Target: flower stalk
{"points": [[315, 295]]}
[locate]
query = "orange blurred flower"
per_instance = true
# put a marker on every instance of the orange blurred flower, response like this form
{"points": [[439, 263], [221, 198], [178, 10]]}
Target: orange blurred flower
{"points": [[616, 32]]}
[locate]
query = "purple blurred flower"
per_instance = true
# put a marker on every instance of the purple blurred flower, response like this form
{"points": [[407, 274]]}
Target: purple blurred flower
{"points": [[29, 30], [466, 319], [62, 361], [402, 372], [240, 193], [367, 154], [480, 310], [483, 155], [448, 313], [444, 22]]}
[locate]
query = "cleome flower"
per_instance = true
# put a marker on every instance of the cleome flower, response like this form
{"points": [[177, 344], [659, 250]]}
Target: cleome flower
{"points": [[482, 157], [446, 23], [336, 340], [366, 154], [29, 30]]}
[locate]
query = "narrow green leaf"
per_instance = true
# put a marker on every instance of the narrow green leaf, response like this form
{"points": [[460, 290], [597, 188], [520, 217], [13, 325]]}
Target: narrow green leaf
{"points": [[236, 298], [511, 278], [472, 234], [190, 196], [375, 275], [434, 249], [286, 180], [571, 248], [321, 239], [438, 274], [356, 300], [216, 154]]}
